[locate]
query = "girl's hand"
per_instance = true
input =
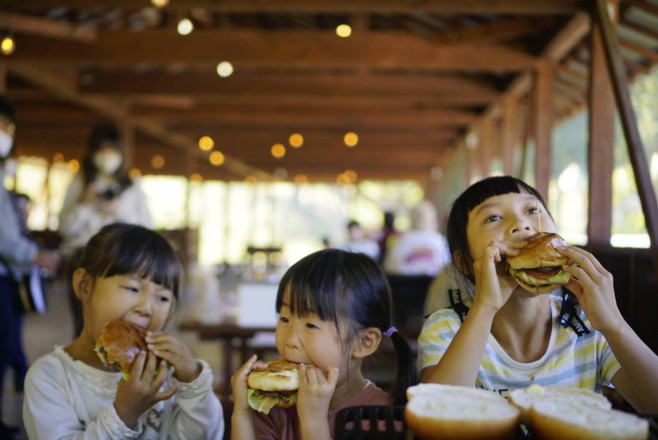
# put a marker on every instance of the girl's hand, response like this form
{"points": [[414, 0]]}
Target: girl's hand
{"points": [[493, 286], [141, 390], [239, 384], [593, 287], [315, 393], [176, 353]]}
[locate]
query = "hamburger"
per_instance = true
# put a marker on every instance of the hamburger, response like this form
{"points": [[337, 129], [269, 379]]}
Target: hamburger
{"points": [[273, 385], [538, 266], [119, 344]]}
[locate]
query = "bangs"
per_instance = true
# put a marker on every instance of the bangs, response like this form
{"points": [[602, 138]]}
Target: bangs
{"points": [[494, 186], [149, 257], [315, 286]]}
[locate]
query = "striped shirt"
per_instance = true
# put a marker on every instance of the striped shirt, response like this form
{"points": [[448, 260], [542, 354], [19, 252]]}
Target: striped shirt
{"points": [[570, 361]]}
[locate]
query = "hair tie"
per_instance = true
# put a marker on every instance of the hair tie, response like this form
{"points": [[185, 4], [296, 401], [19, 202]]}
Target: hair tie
{"points": [[388, 333]]}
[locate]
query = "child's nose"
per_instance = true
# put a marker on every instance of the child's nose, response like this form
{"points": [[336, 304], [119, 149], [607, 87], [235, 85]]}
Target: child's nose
{"points": [[144, 306], [520, 225]]}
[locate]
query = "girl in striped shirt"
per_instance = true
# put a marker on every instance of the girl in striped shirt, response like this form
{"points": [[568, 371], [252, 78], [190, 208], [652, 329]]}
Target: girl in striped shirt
{"points": [[511, 338]]}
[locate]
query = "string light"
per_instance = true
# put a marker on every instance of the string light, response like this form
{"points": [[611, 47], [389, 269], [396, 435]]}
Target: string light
{"points": [[296, 140], [7, 46], [206, 143], [159, 3], [351, 139], [343, 30], [185, 26], [278, 151], [217, 158], [157, 161], [224, 69]]}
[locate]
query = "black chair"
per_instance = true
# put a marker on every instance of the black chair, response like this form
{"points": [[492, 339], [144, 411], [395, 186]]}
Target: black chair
{"points": [[371, 423], [409, 293]]}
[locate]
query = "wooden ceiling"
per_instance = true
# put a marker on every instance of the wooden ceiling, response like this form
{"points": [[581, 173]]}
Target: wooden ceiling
{"points": [[412, 80]]}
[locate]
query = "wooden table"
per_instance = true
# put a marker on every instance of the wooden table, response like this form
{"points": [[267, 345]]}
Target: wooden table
{"points": [[232, 337]]}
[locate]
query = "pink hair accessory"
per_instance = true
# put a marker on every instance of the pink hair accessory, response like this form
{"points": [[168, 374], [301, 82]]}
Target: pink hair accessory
{"points": [[388, 333]]}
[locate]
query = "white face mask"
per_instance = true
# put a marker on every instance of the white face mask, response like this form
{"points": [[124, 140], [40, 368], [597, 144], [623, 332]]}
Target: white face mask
{"points": [[108, 162], [6, 142]]}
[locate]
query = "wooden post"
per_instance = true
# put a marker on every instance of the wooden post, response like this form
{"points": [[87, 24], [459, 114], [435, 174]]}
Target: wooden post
{"points": [[542, 106], [629, 124], [509, 134], [601, 144]]}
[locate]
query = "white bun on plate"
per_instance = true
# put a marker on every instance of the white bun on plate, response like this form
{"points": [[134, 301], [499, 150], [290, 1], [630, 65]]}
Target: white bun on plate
{"points": [[524, 398], [446, 412], [575, 420]]}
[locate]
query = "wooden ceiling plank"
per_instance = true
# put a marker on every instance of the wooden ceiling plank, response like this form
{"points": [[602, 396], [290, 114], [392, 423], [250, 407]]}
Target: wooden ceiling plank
{"points": [[325, 87], [646, 52], [25, 24], [280, 48], [535, 7], [640, 28], [109, 108], [569, 36]]}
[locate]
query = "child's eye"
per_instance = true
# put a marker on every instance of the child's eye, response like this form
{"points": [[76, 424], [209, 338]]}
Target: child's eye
{"points": [[492, 218], [131, 288], [164, 299], [283, 319], [311, 326], [534, 210]]}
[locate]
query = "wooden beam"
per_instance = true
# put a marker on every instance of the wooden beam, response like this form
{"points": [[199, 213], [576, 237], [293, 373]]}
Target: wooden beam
{"points": [[275, 49], [543, 126], [600, 146], [536, 7], [319, 88], [108, 108], [43, 27], [568, 37], [646, 52], [509, 134], [636, 150]]}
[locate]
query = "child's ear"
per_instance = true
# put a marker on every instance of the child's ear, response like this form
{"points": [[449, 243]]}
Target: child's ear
{"points": [[81, 283], [367, 343]]}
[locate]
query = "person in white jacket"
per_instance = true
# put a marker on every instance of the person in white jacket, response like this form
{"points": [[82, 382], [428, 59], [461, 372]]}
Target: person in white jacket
{"points": [[101, 193]]}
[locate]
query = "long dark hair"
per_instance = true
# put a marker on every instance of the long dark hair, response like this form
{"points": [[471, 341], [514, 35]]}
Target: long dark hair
{"points": [[473, 196], [337, 285], [120, 249]]}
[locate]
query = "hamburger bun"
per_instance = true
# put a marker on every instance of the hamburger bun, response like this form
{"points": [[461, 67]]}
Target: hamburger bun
{"points": [[119, 344], [446, 412], [524, 398], [538, 266], [273, 385], [577, 420]]}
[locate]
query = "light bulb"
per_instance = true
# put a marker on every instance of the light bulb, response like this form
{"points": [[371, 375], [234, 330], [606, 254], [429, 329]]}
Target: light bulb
{"points": [[7, 46]]}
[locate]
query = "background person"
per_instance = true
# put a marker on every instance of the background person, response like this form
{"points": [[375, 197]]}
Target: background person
{"points": [[102, 192], [358, 241], [18, 252], [421, 251]]}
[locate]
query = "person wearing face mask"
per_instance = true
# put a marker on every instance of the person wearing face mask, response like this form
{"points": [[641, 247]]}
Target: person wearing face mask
{"points": [[17, 254], [102, 193]]}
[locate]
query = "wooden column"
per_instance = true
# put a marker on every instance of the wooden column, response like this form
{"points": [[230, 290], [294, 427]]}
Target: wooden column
{"points": [[487, 150], [509, 133], [542, 112], [128, 135], [629, 124], [601, 144], [3, 78]]}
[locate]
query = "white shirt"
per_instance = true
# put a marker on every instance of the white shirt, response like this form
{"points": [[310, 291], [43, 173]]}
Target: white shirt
{"points": [[68, 399], [79, 221]]}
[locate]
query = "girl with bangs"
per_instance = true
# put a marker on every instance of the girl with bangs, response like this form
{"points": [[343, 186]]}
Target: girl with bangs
{"points": [[125, 272], [334, 309], [503, 337]]}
